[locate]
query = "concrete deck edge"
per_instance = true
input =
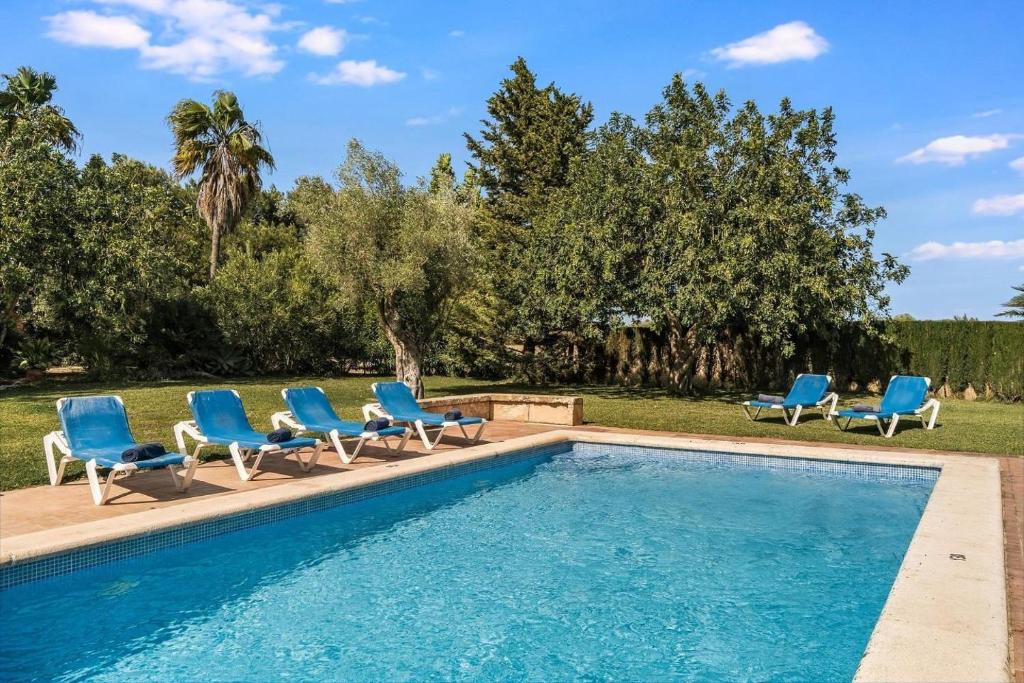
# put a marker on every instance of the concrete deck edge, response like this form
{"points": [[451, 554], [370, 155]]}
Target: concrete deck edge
{"points": [[945, 618]]}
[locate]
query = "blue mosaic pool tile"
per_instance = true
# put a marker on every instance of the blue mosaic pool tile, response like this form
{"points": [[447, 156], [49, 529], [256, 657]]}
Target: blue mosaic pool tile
{"points": [[67, 563]]}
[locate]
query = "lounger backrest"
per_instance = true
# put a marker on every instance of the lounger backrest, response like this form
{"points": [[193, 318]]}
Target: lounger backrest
{"points": [[396, 398], [309, 405], [904, 393], [808, 389], [218, 411], [94, 422]]}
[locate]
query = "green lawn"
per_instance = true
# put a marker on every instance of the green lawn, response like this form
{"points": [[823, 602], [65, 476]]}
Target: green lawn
{"points": [[27, 414]]}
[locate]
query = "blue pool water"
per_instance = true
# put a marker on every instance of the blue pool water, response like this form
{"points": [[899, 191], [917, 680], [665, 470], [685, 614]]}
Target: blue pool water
{"points": [[598, 563]]}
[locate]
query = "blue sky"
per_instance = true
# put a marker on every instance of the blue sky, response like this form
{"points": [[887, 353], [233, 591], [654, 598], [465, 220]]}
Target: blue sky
{"points": [[929, 98]]}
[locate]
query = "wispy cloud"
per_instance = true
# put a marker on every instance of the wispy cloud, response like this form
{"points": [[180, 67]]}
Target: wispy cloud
{"points": [[784, 43], [956, 149], [1017, 164], [88, 29], [1000, 205], [364, 74], [987, 113], [201, 38], [963, 251], [457, 33], [325, 41], [452, 113], [430, 74]]}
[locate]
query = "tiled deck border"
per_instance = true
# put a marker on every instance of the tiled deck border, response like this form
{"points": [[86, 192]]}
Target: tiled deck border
{"points": [[944, 620]]}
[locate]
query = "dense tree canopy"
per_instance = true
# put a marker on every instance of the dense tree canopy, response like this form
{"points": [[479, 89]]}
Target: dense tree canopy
{"points": [[406, 251]]}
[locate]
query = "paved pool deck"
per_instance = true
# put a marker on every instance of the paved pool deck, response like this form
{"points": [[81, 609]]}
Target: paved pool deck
{"points": [[62, 516]]}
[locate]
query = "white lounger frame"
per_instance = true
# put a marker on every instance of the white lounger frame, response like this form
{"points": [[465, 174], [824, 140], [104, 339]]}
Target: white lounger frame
{"points": [[238, 454], [371, 410], [931, 404], [829, 398], [55, 442], [285, 418]]}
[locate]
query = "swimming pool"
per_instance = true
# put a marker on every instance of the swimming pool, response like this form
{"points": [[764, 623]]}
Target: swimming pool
{"points": [[582, 561]]}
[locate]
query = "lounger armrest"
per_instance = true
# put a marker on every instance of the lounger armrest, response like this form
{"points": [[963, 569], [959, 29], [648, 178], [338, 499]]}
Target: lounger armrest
{"points": [[829, 398], [190, 429], [55, 441], [286, 419], [372, 410]]}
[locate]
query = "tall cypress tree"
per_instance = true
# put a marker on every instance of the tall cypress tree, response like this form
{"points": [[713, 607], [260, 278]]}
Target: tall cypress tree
{"points": [[523, 155]]}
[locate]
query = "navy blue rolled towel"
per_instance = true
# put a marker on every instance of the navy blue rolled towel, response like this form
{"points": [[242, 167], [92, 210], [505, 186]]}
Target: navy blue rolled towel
{"points": [[279, 435], [143, 451], [770, 398], [865, 408], [453, 415], [377, 424]]}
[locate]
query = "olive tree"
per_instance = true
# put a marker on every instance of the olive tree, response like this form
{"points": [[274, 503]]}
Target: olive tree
{"points": [[406, 251]]}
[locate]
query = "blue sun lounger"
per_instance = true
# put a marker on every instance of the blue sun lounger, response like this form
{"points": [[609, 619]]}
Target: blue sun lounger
{"points": [[94, 429], [905, 395], [310, 411], [397, 403], [808, 391], [220, 421]]}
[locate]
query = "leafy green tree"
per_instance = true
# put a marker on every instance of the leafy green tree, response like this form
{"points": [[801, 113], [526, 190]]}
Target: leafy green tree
{"points": [[1015, 306], [522, 157], [442, 176], [406, 252], [228, 153], [27, 95], [138, 247], [38, 185], [757, 233]]}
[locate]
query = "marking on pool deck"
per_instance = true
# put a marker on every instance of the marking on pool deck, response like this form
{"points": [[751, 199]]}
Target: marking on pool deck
{"points": [[957, 556]]}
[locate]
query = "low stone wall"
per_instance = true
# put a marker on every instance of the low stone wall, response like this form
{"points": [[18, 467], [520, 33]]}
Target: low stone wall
{"points": [[556, 410]]}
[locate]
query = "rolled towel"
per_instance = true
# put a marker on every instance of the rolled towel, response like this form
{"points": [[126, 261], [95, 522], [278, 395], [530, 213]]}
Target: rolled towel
{"points": [[376, 424], [770, 398], [143, 451], [453, 415], [865, 408], [279, 435]]}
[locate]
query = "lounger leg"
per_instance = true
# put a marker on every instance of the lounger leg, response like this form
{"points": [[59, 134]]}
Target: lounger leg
{"points": [[183, 481], [421, 428], [345, 457], [796, 416], [238, 456], [51, 446], [892, 426], [307, 465], [405, 440], [934, 405], [99, 495], [476, 437], [746, 411]]}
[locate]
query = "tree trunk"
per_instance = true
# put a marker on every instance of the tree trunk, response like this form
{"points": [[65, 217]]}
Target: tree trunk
{"points": [[214, 249], [407, 351]]}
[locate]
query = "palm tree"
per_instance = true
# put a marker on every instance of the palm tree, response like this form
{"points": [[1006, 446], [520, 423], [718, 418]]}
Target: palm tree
{"points": [[28, 93], [1015, 306], [227, 149]]}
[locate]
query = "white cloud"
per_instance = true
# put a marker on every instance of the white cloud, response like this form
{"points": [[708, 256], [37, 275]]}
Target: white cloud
{"points": [[994, 249], [1000, 205], [987, 113], [365, 74], [434, 120], [89, 29], [1017, 164], [325, 41], [197, 38], [956, 149], [457, 33], [785, 42]]}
